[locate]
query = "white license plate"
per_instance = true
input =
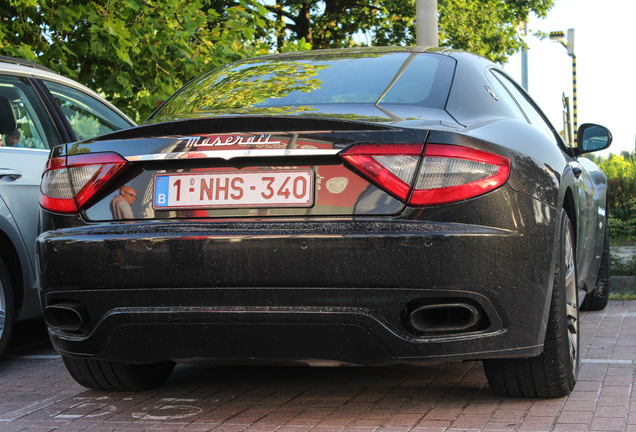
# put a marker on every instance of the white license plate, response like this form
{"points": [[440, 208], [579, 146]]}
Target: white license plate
{"points": [[293, 188]]}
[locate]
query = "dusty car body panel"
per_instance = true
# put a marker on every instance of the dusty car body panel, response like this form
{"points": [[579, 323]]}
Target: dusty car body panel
{"points": [[344, 279]]}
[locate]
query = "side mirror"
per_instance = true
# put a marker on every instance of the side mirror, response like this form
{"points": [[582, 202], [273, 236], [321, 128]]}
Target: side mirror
{"points": [[7, 117], [592, 137]]}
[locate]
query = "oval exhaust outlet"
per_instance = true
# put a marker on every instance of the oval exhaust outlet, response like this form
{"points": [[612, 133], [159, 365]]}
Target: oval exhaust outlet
{"points": [[447, 317], [65, 316]]}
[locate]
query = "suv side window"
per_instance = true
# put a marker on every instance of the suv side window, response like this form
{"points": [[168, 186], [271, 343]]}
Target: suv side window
{"points": [[533, 114], [34, 125], [88, 117]]}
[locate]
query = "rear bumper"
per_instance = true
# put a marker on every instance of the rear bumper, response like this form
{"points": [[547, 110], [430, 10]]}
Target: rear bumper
{"points": [[309, 291], [312, 335]]}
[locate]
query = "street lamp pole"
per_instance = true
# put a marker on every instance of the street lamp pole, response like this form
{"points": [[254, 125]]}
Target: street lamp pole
{"points": [[524, 60], [568, 43]]}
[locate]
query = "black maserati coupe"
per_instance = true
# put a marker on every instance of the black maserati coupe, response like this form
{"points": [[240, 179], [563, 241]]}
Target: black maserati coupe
{"points": [[345, 207]]}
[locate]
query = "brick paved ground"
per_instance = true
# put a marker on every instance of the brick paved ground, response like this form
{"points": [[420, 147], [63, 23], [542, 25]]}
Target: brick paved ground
{"points": [[37, 394]]}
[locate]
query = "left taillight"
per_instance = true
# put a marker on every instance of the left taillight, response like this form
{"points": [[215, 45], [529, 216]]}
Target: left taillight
{"points": [[69, 182], [432, 174]]}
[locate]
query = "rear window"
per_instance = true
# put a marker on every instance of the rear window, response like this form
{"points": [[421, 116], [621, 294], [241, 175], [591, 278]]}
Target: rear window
{"points": [[287, 84]]}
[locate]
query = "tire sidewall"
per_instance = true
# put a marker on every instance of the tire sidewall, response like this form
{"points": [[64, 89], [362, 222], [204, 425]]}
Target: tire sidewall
{"points": [[6, 298], [598, 298]]}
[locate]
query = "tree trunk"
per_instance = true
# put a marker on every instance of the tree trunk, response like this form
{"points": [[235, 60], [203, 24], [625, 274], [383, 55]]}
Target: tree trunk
{"points": [[303, 24]]}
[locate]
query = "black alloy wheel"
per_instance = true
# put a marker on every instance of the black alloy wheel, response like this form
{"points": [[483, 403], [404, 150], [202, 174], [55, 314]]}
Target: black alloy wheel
{"points": [[571, 302], [554, 372]]}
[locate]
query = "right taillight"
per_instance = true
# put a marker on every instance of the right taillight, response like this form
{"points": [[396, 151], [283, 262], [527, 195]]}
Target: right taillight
{"points": [[69, 182], [452, 173], [446, 173]]}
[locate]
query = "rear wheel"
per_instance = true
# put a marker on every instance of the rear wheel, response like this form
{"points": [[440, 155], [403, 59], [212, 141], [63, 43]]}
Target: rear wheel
{"points": [[7, 312], [554, 372], [115, 376], [597, 299]]}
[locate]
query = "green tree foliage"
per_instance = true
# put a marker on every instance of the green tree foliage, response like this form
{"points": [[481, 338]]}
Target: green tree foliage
{"points": [[619, 166], [489, 27], [138, 52], [621, 198], [134, 52], [486, 27]]}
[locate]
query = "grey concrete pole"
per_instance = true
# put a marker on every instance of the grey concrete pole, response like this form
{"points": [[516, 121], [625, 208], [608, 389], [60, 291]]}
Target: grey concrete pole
{"points": [[524, 60], [426, 23]]}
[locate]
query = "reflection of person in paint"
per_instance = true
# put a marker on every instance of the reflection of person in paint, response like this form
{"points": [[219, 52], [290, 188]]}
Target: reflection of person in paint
{"points": [[120, 205]]}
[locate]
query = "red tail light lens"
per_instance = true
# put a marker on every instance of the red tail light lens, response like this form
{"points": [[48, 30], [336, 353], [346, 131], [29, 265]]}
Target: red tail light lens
{"points": [[69, 182], [451, 173], [391, 167], [441, 174]]}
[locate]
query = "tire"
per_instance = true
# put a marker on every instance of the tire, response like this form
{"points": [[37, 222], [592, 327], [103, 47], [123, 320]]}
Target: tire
{"points": [[114, 376], [7, 311], [597, 299], [554, 372]]}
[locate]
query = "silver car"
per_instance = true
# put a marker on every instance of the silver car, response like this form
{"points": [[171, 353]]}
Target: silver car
{"points": [[38, 110]]}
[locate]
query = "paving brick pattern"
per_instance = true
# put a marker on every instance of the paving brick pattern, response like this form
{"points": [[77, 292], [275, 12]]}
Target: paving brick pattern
{"points": [[37, 394]]}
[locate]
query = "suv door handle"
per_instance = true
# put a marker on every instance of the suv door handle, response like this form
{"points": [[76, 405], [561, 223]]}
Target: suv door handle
{"points": [[11, 173]]}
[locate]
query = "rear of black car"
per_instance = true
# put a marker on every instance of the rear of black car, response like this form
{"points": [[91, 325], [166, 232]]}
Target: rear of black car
{"points": [[261, 216]]}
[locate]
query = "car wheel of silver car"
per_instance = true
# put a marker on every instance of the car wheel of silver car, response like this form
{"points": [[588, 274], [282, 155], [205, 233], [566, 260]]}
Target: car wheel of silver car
{"points": [[554, 372], [597, 299], [116, 376], [6, 309]]}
